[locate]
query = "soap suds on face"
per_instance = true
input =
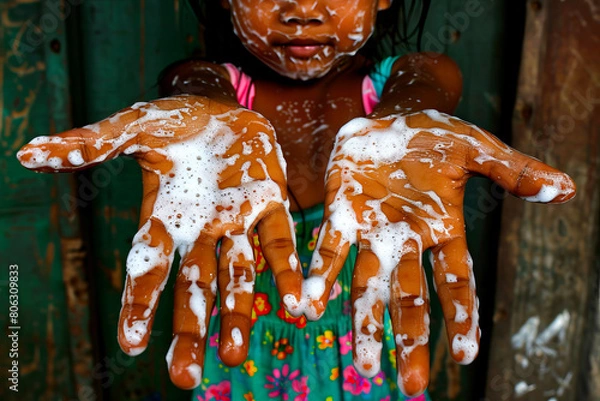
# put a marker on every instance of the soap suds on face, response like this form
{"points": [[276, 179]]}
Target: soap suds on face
{"points": [[342, 33]]}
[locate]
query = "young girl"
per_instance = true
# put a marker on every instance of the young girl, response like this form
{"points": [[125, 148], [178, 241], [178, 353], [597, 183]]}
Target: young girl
{"points": [[214, 171]]}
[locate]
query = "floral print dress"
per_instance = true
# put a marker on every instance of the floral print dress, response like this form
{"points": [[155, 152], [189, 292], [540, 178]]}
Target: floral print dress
{"points": [[294, 359]]}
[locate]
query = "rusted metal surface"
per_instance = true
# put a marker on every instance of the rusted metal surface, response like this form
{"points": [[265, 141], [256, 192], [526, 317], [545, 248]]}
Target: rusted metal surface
{"points": [[28, 212], [77, 291], [55, 357], [548, 271]]}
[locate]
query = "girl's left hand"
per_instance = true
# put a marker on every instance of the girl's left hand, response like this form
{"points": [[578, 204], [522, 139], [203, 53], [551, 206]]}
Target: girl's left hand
{"points": [[395, 188]]}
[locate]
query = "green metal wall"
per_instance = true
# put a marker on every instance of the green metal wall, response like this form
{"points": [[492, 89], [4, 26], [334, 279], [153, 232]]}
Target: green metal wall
{"points": [[72, 62]]}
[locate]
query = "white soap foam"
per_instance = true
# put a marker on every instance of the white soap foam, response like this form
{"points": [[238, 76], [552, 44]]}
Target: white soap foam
{"points": [[75, 157], [236, 336], [461, 315], [198, 303], [169, 356], [195, 371], [363, 146]]}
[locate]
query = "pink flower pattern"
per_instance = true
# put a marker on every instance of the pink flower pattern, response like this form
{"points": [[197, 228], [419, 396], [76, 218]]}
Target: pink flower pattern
{"points": [[218, 392], [301, 387], [346, 343], [281, 381], [354, 383], [213, 341]]}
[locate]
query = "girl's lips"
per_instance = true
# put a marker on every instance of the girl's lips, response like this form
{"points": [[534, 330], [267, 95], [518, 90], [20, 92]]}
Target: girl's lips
{"points": [[303, 51]]}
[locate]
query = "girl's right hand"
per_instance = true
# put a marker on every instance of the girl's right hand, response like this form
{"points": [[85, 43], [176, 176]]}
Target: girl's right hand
{"points": [[212, 171]]}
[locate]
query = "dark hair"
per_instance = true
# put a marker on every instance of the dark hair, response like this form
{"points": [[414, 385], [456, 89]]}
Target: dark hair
{"points": [[398, 30]]}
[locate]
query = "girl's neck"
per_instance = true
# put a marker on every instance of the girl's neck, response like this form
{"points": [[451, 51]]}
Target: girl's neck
{"points": [[306, 116]]}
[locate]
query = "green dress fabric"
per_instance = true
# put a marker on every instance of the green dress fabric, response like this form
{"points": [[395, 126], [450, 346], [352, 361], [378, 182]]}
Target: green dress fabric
{"points": [[295, 359]]}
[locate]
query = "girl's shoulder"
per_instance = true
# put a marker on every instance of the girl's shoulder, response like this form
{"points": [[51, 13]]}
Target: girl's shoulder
{"points": [[380, 72]]}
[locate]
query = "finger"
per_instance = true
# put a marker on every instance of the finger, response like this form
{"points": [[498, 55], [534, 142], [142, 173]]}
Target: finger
{"points": [[81, 147], [277, 240], [370, 291], [148, 265], [485, 154], [409, 311], [236, 286], [521, 175], [327, 261], [195, 291], [455, 285]]}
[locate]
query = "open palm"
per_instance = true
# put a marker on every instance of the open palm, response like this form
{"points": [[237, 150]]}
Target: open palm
{"points": [[212, 172], [395, 188]]}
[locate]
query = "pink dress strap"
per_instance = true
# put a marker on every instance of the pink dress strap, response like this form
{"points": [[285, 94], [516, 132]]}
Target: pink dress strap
{"points": [[369, 95], [244, 87]]}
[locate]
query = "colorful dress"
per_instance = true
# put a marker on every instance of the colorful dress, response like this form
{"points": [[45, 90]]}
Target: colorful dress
{"points": [[295, 359], [291, 358]]}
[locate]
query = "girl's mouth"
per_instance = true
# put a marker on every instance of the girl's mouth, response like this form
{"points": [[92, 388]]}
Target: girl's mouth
{"points": [[307, 51], [303, 49]]}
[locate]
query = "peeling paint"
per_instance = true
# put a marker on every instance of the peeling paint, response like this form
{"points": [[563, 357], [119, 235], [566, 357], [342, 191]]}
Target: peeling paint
{"points": [[51, 354], [527, 337], [115, 275], [522, 388], [33, 365]]}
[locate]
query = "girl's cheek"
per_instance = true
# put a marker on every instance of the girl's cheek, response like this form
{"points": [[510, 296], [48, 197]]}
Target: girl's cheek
{"points": [[248, 34]]}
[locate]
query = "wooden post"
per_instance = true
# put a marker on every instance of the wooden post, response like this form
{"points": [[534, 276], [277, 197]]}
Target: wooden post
{"points": [[545, 343]]}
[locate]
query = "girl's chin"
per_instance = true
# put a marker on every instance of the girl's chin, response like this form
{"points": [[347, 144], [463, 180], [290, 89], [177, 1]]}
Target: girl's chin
{"points": [[303, 73]]}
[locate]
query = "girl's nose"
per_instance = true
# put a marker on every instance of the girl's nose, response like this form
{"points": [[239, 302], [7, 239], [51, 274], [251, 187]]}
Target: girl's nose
{"points": [[303, 12]]}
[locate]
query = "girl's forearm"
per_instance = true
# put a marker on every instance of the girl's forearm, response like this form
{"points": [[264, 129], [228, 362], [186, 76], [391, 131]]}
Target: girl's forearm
{"points": [[421, 81]]}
